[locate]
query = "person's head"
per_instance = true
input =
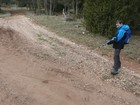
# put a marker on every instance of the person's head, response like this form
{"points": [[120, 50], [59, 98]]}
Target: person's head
{"points": [[119, 23]]}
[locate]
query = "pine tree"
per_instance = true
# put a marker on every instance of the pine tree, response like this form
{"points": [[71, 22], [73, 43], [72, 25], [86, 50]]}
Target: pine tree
{"points": [[101, 15]]}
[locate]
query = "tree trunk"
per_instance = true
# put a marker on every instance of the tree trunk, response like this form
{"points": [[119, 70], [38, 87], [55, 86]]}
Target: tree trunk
{"points": [[0, 10], [46, 6], [38, 6], [64, 14], [76, 7], [50, 8], [33, 5]]}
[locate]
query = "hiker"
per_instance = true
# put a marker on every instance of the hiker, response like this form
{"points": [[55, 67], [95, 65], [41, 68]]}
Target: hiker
{"points": [[121, 38]]}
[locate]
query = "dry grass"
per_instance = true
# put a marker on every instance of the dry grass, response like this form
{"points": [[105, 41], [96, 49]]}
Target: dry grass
{"points": [[75, 31], [5, 14]]}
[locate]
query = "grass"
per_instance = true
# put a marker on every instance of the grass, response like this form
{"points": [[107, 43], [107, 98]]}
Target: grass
{"points": [[133, 49], [42, 38], [4, 14], [75, 31], [72, 30]]}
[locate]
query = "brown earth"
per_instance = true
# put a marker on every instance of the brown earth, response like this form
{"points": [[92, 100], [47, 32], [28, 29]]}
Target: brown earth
{"points": [[38, 67], [131, 64]]}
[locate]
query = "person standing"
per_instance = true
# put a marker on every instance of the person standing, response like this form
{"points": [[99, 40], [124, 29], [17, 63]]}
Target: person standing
{"points": [[118, 41]]}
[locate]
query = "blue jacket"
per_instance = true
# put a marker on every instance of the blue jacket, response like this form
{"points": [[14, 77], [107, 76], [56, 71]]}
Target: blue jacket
{"points": [[121, 32], [120, 37]]}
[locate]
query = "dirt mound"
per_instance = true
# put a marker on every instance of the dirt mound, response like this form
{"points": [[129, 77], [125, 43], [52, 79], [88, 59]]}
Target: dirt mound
{"points": [[37, 68], [8, 37], [11, 39]]}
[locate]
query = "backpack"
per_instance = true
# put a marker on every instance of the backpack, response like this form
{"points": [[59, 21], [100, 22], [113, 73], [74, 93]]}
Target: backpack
{"points": [[128, 34]]}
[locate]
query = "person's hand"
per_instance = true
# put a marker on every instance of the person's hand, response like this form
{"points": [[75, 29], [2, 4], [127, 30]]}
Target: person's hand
{"points": [[110, 42]]}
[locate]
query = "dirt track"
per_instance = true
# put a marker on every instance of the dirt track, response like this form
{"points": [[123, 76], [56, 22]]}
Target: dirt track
{"points": [[39, 68]]}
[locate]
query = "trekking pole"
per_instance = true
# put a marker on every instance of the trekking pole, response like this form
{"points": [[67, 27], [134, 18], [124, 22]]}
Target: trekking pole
{"points": [[103, 44]]}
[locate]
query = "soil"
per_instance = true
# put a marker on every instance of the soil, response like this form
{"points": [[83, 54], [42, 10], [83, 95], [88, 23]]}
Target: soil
{"points": [[37, 67], [131, 64]]}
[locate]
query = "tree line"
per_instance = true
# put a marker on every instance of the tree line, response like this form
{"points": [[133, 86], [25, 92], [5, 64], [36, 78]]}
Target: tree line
{"points": [[52, 7], [99, 15]]}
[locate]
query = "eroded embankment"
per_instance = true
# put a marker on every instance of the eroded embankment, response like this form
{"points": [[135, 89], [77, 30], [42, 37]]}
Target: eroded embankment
{"points": [[38, 67]]}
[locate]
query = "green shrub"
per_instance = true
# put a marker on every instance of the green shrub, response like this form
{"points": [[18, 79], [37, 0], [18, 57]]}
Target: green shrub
{"points": [[101, 15]]}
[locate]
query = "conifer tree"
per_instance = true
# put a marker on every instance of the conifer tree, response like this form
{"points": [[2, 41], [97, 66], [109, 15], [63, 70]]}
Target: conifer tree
{"points": [[101, 15]]}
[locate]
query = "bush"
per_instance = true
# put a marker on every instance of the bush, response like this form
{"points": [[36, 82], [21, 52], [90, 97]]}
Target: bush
{"points": [[101, 15]]}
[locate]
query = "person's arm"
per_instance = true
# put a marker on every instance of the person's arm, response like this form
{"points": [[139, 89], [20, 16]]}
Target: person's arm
{"points": [[120, 35], [111, 41], [117, 38]]}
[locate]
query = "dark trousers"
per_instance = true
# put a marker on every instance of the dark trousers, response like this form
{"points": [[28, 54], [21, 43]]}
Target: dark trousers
{"points": [[117, 62]]}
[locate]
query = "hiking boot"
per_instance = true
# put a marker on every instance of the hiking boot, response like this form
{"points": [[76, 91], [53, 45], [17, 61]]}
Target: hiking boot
{"points": [[118, 68], [114, 71]]}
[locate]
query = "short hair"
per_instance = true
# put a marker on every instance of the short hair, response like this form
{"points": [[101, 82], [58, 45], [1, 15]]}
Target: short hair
{"points": [[120, 21]]}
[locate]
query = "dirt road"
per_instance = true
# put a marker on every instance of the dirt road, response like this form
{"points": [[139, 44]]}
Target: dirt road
{"points": [[39, 68]]}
